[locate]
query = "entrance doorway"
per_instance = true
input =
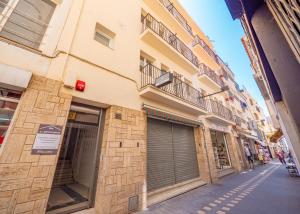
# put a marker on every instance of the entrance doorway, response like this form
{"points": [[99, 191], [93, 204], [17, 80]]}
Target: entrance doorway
{"points": [[74, 183], [220, 149]]}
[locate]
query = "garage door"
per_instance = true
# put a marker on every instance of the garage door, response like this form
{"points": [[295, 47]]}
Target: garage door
{"points": [[171, 154]]}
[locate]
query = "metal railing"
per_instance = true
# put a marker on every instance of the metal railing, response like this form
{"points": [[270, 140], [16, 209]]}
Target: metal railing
{"points": [[149, 22], [205, 70], [198, 41], [176, 88], [252, 125], [220, 110], [172, 9], [239, 121]]}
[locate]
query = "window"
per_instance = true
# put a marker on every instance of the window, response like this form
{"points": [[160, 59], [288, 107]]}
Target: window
{"points": [[188, 86], [28, 22], [257, 109], [104, 36], [103, 39], [203, 92], [164, 69], [143, 62], [178, 76], [3, 4], [251, 101], [256, 116], [8, 104]]}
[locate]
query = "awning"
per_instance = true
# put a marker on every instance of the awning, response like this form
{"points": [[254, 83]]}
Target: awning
{"points": [[249, 136], [278, 134], [14, 78], [161, 114]]}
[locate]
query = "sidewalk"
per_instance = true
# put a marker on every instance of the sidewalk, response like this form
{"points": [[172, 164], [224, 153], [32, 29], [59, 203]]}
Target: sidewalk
{"points": [[266, 190]]}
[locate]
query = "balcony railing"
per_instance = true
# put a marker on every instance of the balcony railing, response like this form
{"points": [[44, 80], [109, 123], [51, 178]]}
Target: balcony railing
{"points": [[149, 22], [205, 70], [177, 87], [239, 121], [198, 41], [220, 110], [172, 9]]}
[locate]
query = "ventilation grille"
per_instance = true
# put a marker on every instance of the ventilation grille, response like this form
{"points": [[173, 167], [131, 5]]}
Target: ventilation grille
{"points": [[133, 203]]}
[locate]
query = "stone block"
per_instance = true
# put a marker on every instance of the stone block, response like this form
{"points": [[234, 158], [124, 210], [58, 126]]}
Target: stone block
{"points": [[20, 119], [41, 100], [27, 157], [24, 207], [39, 206], [39, 171], [13, 148], [23, 195], [15, 184], [28, 100], [40, 118], [5, 198], [23, 131], [13, 171], [53, 99], [39, 194], [60, 121], [39, 184], [27, 147]]}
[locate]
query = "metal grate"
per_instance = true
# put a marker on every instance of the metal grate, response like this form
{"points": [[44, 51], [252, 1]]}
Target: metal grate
{"points": [[118, 116], [287, 15], [133, 203]]}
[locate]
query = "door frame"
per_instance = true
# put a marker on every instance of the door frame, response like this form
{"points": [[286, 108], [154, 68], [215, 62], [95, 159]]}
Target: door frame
{"points": [[92, 194]]}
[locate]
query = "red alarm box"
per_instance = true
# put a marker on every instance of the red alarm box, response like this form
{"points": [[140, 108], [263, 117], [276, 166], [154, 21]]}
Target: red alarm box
{"points": [[80, 85]]}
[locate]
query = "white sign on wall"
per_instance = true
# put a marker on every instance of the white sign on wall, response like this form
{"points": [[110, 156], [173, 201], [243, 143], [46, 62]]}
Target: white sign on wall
{"points": [[47, 140]]}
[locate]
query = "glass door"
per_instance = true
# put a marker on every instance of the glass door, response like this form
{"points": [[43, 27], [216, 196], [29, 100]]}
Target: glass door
{"points": [[74, 181]]}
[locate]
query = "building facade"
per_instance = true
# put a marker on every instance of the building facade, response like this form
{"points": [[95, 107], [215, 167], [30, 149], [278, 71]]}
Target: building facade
{"points": [[272, 28], [110, 108]]}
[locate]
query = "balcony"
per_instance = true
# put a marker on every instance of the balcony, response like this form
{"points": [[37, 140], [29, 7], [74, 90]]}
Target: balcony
{"points": [[160, 37], [200, 42], [240, 122], [177, 93], [219, 113], [208, 77], [172, 9]]}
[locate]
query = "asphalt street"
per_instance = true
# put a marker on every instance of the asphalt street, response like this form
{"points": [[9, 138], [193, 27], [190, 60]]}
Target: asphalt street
{"points": [[266, 190]]}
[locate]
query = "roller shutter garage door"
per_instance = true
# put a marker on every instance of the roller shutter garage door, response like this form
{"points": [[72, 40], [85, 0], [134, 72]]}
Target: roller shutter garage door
{"points": [[171, 154]]}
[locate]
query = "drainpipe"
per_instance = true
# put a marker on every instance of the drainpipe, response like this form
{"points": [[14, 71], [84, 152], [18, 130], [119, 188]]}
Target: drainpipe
{"points": [[205, 147]]}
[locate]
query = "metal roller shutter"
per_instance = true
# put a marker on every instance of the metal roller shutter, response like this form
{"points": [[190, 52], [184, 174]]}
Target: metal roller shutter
{"points": [[171, 154], [160, 162], [186, 165]]}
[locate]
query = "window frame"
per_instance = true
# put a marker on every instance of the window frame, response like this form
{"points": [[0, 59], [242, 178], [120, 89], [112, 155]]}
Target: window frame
{"points": [[8, 11], [110, 39]]}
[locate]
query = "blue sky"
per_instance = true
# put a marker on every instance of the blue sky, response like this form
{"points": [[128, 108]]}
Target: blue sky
{"points": [[214, 19]]}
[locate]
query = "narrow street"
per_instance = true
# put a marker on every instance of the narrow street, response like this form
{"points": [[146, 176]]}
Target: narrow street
{"points": [[267, 189]]}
